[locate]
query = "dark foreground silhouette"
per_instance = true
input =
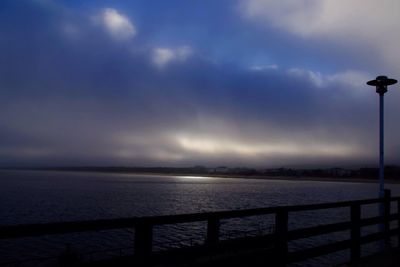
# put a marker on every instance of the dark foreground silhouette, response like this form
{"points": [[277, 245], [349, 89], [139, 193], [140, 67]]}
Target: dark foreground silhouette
{"points": [[269, 249]]}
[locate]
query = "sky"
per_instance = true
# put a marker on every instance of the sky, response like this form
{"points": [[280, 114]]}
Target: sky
{"points": [[257, 83]]}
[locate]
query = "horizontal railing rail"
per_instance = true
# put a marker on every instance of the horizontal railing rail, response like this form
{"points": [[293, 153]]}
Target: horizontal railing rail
{"points": [[280, 238], [26, 230]]}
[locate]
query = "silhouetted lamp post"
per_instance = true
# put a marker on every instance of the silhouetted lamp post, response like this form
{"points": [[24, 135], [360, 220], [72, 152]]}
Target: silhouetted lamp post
{"points": [[381, 83]]}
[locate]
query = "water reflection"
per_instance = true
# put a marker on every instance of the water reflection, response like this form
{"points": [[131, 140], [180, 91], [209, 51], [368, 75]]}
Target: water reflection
{"points": [[193, 177]]}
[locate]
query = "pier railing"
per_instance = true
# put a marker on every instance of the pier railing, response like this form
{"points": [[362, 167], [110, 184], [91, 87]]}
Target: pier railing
{"points": [[276, 242]]}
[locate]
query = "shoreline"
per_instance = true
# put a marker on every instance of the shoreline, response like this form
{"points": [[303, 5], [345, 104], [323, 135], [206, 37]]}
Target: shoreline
{"points": [[221, 175]]}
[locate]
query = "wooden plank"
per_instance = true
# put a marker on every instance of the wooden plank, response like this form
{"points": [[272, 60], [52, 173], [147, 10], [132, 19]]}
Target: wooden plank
{"points": [[355, 232], [318, 251], [304, 254], [332, 205], [28, 230], [281, 235], [398, 222], [386, 215], [144, 229], [334, 227], [318, 230], [213, 225], [143, 239], [378, 236], [378, 219], [182, 218]]}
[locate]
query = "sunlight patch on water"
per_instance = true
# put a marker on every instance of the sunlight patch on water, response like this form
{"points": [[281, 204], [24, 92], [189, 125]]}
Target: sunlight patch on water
{"points": [[193, 177]]}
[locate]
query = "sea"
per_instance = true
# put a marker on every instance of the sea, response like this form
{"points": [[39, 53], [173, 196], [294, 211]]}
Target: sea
{"points": [[28, 197]]}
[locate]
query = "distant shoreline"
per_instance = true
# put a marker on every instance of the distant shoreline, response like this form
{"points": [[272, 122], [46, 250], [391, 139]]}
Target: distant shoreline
{"points": [[216, 175]]}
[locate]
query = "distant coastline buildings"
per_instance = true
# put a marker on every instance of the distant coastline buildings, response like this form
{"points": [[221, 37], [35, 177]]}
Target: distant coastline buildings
{"points": [[391, 172]]}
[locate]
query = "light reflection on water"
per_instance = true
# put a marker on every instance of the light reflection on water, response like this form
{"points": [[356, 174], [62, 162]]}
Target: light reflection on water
{"points": [[193, 177], [37, 197]]}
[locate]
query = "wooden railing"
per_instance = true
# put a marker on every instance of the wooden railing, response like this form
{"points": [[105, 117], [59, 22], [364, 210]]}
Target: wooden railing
{"points": [[278, 241]]}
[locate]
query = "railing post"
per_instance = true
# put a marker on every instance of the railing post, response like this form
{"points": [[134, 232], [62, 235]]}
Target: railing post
{"points": [[213, 224], [386, 216], [398, 223], [281, 235], [355, 231], [143, 239]]}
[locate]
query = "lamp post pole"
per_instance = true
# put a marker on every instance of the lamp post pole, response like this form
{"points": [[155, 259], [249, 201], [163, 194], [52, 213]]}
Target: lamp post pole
{"points": [[381, 83], [381, 148]]}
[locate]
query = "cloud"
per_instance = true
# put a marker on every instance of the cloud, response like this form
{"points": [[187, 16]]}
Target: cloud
{"points": [[264, 67], [363, 23], [315, 77], [116, 24], [352, 78], [66, 104], [355, 79], [266, 150], [251, 118], [162, 56]]}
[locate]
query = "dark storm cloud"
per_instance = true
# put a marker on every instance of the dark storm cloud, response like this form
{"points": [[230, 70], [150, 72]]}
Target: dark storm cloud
{"points": [[76, 90]]}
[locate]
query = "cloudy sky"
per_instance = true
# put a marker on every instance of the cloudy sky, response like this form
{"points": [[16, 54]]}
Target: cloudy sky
{"points": [[260, 83]]}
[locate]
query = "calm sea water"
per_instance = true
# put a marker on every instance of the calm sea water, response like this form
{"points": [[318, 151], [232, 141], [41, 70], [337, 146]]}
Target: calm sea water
{"points": [[38, 197]]}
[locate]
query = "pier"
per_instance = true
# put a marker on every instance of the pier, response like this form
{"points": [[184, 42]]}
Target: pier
{"points": [[271, 248]]}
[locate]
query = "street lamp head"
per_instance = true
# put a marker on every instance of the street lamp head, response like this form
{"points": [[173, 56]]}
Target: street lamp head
{"points": [[381, 83]]}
